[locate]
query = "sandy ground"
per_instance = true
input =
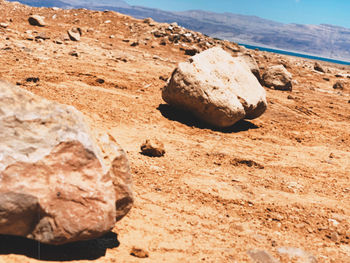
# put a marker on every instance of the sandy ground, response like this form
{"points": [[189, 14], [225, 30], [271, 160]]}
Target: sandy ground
{"points": [[280, 181]]}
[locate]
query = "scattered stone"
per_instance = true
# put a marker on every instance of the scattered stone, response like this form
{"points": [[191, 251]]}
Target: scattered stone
{"points": [[153, 148], [326, 79], [296, 253], [4, 25], [42, 36], [57, 185], [32, 79], [139, 253], [159, 33], [191, 51], [278, 77], [149, 21], [249, 163], [164, 78], [100, 81], [339, 85], [318, 67], [59, 42], [334, 237], [74, 53], [30, 37], [134, 44], [261, 256], [217, 88], [290, 97], [36, 20], [112, 36], [74, 34], [339, 76]]}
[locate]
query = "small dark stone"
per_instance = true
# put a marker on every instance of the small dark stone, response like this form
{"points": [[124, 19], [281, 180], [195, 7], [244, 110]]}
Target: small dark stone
{"points": [[101, 81], [153, 148], [32, 79], [139, 253], [318, 67], [191, 51], [164, 78], [74, 53], [338, 85]]}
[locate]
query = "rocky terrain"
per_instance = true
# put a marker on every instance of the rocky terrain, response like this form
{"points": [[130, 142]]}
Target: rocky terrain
{"points": [[320, 40], [272, 189]]}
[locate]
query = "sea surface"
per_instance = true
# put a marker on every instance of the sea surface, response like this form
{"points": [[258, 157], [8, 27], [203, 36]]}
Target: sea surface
{"points": [[289, 53]]}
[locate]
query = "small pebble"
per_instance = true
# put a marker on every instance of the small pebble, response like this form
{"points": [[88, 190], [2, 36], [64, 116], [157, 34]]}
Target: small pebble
{"points": [[139, 252]]}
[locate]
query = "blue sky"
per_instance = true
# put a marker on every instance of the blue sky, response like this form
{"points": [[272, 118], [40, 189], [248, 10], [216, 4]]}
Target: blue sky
{"points": [[335, 12]]}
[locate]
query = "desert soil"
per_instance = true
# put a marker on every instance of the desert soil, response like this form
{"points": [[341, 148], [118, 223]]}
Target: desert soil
{"points": [[282, 180]]}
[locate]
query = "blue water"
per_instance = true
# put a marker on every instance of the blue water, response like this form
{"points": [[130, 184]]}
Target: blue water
{"points": [[283, 52]]}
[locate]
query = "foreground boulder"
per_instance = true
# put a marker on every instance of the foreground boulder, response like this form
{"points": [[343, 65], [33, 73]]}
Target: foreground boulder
{"points": [[56, 185], [278, 77], [217, 88]]}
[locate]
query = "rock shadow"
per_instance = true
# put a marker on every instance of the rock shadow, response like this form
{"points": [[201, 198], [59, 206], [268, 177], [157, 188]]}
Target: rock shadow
{"points": [[83, 250], [189, 119]]}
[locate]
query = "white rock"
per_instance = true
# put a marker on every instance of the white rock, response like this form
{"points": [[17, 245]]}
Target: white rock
{"points": [[217, 88]]}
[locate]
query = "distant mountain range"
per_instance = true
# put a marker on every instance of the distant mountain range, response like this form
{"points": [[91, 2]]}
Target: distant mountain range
{"points": [[321, 40]]}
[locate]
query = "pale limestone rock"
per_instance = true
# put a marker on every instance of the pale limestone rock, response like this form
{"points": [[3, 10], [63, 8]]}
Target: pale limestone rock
{"points": [[217, 88], [74, 34], [56, 185], [251, 62], [277, 77]]}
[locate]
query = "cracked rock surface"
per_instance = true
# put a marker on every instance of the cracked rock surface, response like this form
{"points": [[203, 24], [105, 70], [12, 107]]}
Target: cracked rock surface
{"points": [[55, 186]]}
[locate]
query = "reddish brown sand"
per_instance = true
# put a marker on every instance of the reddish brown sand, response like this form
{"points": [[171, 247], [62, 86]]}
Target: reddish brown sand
{"points": [[282, 180]]}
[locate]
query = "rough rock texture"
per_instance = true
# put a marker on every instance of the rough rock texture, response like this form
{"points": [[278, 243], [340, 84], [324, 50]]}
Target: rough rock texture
{"points": [[55, 186], [153, 148], [36, 20], [277, 77], [217, 88]]}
